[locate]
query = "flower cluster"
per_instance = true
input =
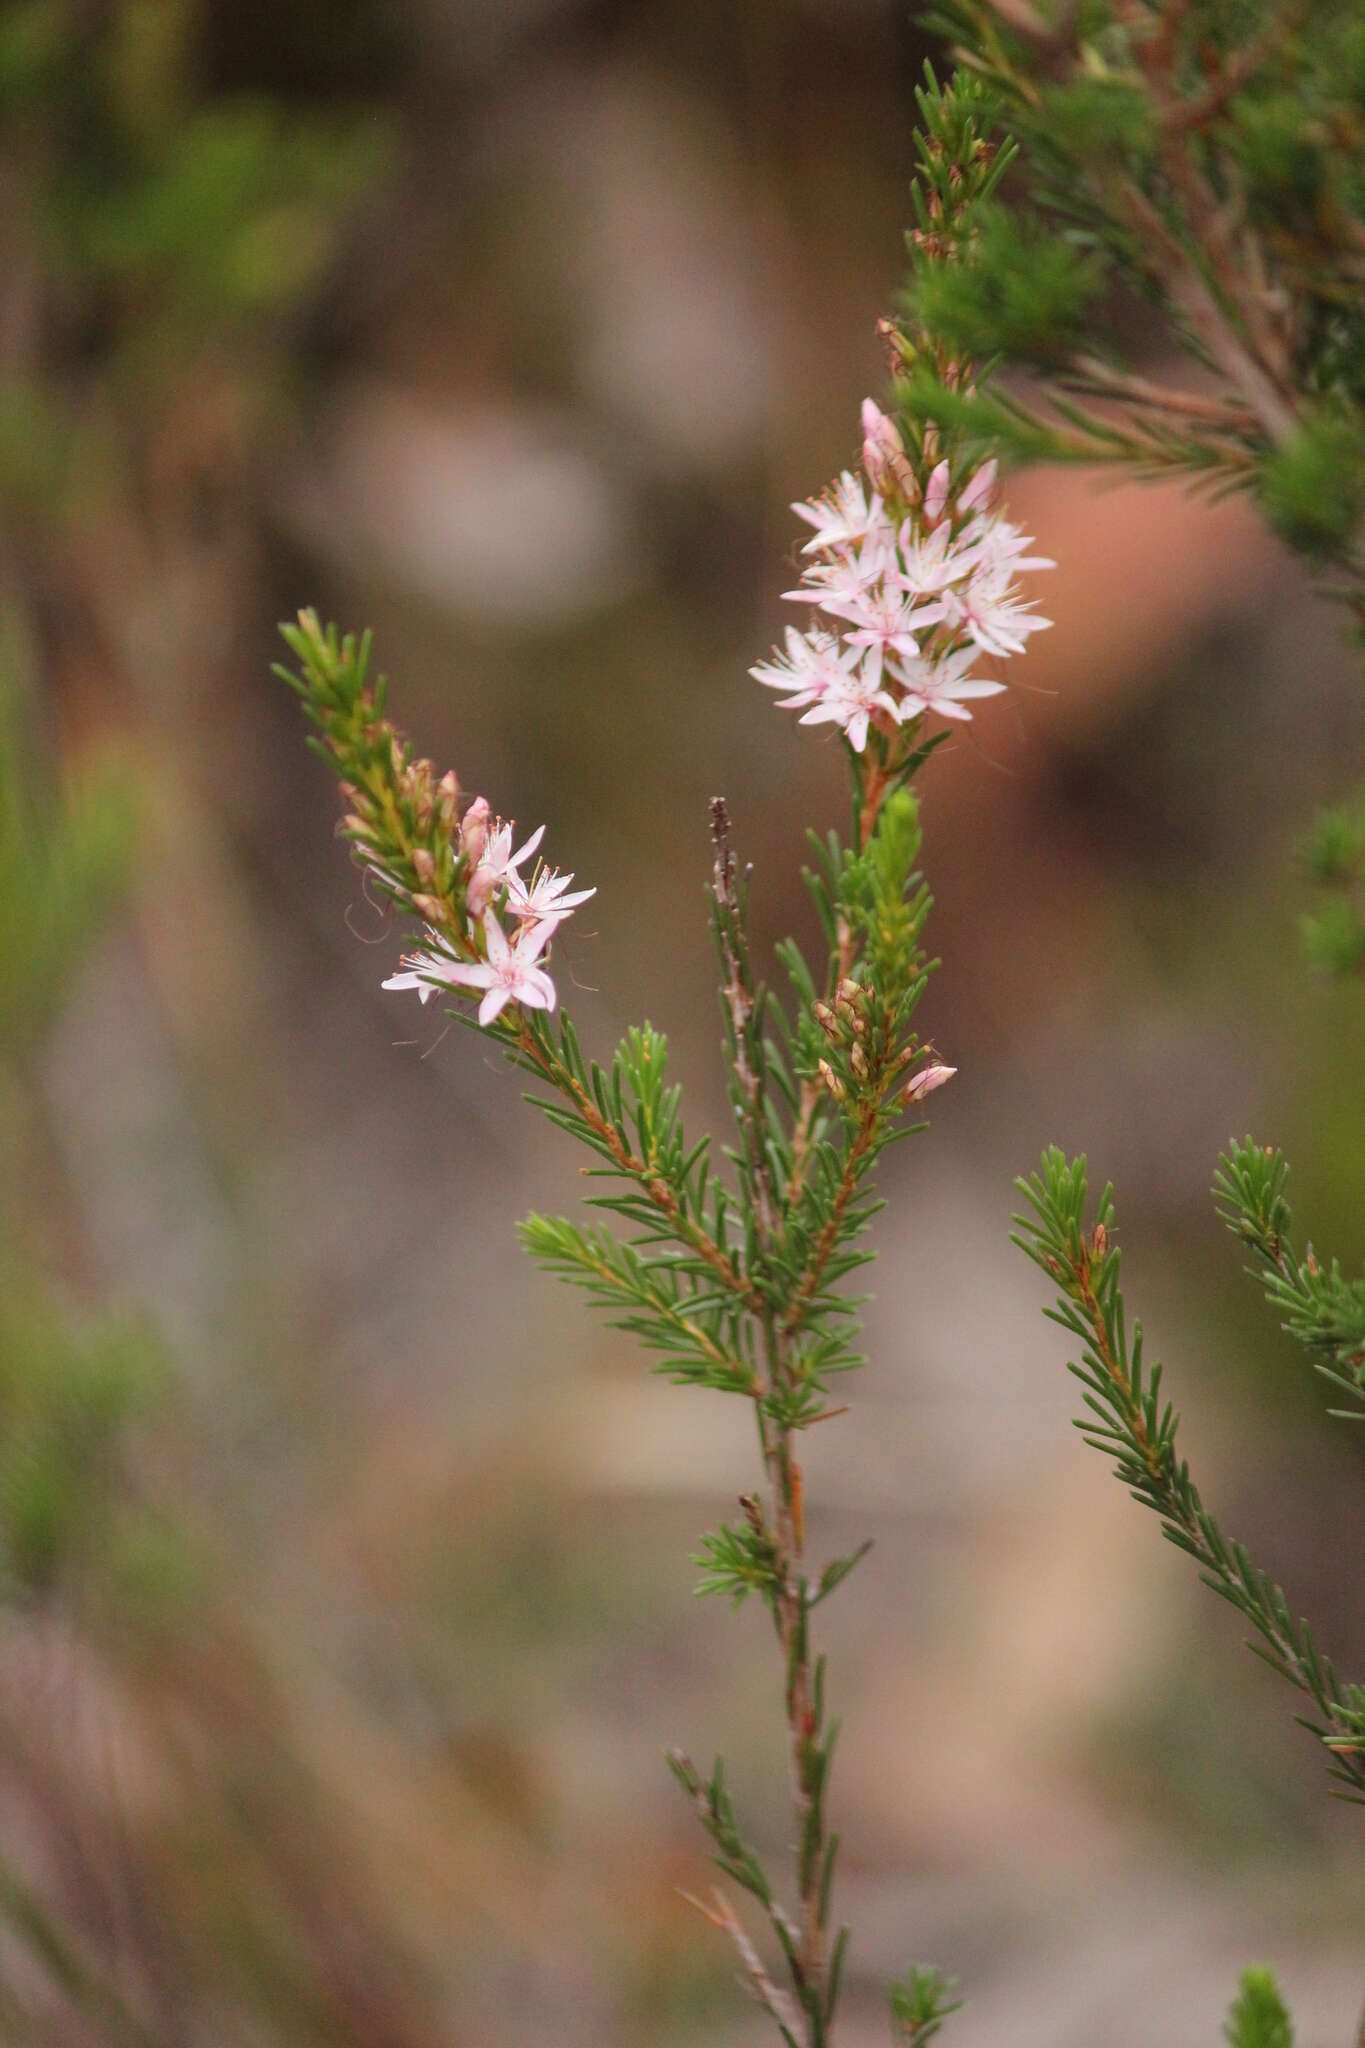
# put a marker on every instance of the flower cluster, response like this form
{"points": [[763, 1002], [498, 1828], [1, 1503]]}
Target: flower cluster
{"points": [[921, 585], [507, 969]]}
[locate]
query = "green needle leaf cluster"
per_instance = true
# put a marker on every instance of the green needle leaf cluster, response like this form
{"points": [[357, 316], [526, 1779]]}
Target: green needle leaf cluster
{"points": [[731, 1264], [1321, 1308], [1127, 1418]]}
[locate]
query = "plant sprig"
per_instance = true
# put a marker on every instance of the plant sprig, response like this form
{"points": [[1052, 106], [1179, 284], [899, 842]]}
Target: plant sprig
{"points": [[1127, 1418]]}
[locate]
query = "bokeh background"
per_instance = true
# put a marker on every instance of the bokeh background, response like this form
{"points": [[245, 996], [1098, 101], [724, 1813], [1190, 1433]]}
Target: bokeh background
{"points": [[347, 1598]]}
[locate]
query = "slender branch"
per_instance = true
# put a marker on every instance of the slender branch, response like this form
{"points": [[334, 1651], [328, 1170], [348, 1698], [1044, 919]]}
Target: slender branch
{"points": [[775, 2002], [545, 1062], [1192, 298], [1183, 1510], [1089, 375], [570, 1252], [1126, 1419], [1234, 73], [1255, 360]]}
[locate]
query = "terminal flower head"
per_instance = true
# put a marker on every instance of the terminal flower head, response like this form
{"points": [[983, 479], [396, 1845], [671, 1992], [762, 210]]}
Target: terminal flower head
{"points": [[913, 601]]}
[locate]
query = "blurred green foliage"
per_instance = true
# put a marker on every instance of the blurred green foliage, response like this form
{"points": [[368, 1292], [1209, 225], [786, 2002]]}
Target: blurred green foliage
{"points": [[70, 1390], [62, 864], [1258, 2018], [71, 1387], [164, 226]]}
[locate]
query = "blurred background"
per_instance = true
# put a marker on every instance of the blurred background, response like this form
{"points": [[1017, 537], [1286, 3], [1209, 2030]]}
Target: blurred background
{"points": [[347, 1604]]}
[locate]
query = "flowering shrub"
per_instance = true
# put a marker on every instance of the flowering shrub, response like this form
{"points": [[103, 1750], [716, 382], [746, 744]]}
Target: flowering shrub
{"points": [[925, 583], [911, 600], [736, 1283]]}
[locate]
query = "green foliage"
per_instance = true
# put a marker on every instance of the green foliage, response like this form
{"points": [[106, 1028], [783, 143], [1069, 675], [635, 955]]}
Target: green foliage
{"points": [[1323, 1310], [1095, 114], [885, 899], [234, 218], [1127, 1419], [69, 1395], [63, 862], [1282, 160], [212, 211], [740, 1561], [957, 175], [920, 2002], [1313, 484], [172, 232], [401, 819], [1025, 293], [1334, 855], [673, 1311], [1209, 160], [1334, 851], [717, 1807], [1258, 2017], [716, 1810], [631, 1121], [74, 1389]]}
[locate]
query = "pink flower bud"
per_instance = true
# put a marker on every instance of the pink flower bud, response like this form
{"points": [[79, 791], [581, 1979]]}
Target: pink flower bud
{"points": [[883, 452], [936, 494], [979, 490], [925, 1081], [482, 884], [423, 865], [474, 830]]}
